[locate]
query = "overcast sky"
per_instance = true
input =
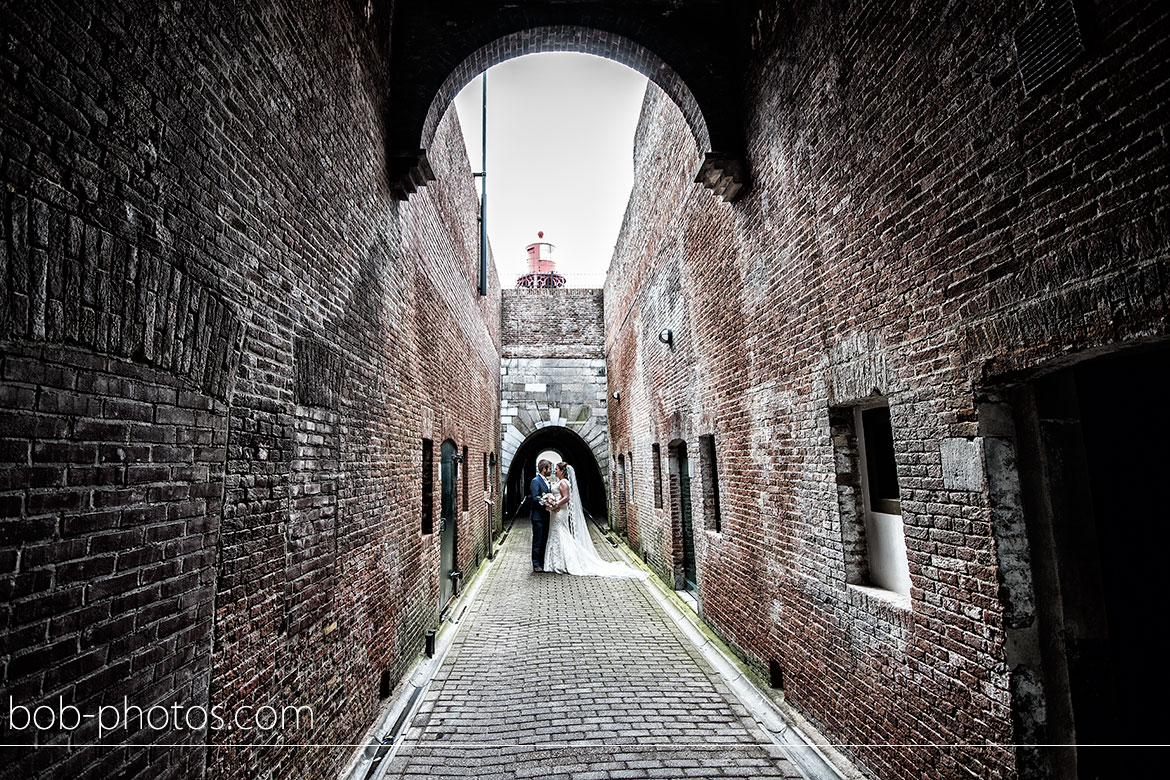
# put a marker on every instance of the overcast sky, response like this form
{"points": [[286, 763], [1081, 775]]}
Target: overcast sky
{"points": [[560, 158]]}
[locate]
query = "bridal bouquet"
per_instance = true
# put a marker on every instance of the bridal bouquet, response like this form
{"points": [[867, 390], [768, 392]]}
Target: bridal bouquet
{"points": [[549, 500]]}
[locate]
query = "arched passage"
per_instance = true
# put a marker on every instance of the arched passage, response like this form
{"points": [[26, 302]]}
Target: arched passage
{"points": [[569, 39], [575, 451], [692, 51]]}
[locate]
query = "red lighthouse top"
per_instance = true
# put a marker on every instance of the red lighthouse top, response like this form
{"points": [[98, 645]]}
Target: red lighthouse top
{"points": [[540, 256], [542, 269]]}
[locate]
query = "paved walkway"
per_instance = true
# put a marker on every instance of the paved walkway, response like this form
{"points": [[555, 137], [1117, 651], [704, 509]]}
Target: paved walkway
{"points": [[577, 678]]}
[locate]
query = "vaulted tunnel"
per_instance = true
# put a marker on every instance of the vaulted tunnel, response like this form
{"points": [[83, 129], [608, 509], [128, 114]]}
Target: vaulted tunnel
{"points": [[574, 450]]}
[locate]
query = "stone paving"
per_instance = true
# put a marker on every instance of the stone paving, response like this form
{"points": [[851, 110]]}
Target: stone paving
{"points": [[578, 678]]}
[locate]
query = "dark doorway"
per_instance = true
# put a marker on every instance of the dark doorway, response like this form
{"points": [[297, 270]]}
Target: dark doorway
{"points": [[687, 575], [575, 451], [1098, 435], [448, 537], [622, 519]]}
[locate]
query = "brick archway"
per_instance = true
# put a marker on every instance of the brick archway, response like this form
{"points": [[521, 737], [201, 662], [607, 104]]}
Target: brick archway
{"points": [[691, 52], [569, 38]]}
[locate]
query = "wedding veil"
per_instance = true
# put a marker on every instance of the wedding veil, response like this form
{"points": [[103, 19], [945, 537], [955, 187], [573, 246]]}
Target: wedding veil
{"points": [[577, 522], [579, 528]]}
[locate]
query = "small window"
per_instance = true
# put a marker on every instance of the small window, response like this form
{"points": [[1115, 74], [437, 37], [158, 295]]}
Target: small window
{"points": [[463, 466], [685, 564], [881, 473], [493, 459], [712, 517], [868, 498], [656, 453], [428, 486], [621, 491], [630, 475]]}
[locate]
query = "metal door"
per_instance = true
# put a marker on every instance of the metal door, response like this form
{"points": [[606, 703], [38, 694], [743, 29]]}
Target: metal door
{"points": [[448, 539], [690, 572]]}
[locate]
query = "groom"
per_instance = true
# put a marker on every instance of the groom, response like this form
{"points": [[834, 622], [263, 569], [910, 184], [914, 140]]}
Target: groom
{"points": [[537, 488]]}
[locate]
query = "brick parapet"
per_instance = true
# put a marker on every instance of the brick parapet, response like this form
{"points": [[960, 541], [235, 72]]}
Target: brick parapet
{"points": [[565, 322]]}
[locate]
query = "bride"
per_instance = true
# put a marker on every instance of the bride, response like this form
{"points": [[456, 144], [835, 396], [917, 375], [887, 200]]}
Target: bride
{"points": [[569, 549]]}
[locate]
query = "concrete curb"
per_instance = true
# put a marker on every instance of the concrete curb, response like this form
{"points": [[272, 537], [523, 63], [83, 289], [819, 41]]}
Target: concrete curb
{"points": [[800, 747]]}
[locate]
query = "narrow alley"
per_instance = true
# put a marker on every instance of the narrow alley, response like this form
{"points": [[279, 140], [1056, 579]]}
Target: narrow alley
{"points": [[873, 385], [555, 676]]}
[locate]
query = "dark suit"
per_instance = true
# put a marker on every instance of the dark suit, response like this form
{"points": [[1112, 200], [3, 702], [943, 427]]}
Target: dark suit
{"points": [[537, 488]]}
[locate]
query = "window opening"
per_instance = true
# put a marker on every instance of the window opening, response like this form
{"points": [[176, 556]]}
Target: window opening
{"points": [[872, 536], [712, 517], [428, 486], [686, 568], [464, 464], [656, 453]]}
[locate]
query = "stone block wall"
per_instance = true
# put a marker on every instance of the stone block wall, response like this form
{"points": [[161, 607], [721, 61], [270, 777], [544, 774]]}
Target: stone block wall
{"points": [[917, 228], [223, 343], [552, 370]]}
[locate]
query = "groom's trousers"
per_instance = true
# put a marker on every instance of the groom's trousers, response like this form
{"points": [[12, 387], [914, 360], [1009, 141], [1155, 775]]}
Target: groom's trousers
{"points": [[539, 537]]}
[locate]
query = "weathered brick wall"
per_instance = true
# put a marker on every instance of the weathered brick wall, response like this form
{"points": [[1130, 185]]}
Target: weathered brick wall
{"points": [[553, 323], [112, 494], [223, 343], [917, 227], [553, 369]]}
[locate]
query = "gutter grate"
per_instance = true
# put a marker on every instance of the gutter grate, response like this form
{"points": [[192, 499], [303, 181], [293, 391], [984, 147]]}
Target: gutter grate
{"points": [[1047, 42]]}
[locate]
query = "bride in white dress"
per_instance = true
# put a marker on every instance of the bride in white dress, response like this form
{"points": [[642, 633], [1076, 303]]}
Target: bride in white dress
{"points": [[569, 549]]}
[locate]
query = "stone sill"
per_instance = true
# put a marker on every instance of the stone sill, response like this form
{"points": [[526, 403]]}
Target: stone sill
{"points": [[688, 598], [878, 599]]}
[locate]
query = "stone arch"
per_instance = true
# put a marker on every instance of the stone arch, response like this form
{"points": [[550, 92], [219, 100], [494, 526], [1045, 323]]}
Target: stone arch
{"points": [[589, 460], [590, 428], [691, 53]]}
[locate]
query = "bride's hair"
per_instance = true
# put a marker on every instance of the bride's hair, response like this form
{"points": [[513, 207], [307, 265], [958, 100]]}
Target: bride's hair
{"points": [[563, 467]]}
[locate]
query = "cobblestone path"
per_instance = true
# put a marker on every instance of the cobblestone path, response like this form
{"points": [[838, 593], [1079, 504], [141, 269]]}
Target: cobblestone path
{"points": [[578, 678]]}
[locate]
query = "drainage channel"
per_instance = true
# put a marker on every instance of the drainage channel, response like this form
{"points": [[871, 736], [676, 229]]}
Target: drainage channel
{"points": [[384, 737]]}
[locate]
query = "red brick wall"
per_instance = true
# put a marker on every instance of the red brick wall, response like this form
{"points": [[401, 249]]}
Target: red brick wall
{"points": [[916, 225], [553, 323], [223, 343], [111, 500]]}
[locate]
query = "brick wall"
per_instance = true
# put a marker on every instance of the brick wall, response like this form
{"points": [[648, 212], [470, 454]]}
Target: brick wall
{"points": [[223, 343], [917, 228], [553, 323], [112, 499]]}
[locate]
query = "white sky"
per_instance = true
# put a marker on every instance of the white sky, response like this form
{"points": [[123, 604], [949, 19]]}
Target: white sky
{"points": [[560, 158]]}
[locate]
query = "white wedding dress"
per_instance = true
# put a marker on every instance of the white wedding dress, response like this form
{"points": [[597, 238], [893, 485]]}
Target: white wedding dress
{"points": [[570, 549]]}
